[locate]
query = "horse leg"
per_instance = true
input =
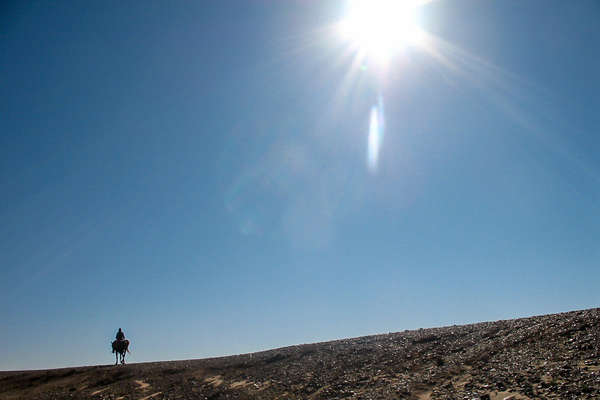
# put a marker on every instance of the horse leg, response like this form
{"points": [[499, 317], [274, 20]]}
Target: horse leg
{"points": [[116, 357]]}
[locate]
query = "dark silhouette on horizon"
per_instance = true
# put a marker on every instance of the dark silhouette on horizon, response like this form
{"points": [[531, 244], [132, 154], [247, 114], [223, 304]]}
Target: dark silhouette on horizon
{"points": [[120, 346]]}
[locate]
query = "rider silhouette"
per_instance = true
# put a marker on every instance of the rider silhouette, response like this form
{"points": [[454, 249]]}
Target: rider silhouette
{"points": [[120, 335]]}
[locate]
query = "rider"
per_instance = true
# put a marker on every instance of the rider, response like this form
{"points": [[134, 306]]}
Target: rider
{"points": [[120, 335]]}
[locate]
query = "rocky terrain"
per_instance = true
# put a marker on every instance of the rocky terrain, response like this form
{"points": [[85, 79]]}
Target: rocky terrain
{"points": [[546, 357]]}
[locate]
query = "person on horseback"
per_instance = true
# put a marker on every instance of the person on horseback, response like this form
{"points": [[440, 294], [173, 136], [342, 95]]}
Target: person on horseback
{"points": [[120, 347]]}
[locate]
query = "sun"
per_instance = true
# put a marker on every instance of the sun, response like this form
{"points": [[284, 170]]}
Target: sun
{"points": [[379, 28]]}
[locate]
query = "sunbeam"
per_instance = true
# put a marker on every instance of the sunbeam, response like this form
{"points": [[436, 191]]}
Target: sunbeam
{"points": [[379, 28]]}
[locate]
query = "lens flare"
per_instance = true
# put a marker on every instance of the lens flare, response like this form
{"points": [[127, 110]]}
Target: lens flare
{"points": [[375, 138]]}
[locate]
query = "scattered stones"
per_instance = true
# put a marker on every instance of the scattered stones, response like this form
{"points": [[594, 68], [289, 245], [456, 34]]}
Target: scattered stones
{"points": [[546, 357]]}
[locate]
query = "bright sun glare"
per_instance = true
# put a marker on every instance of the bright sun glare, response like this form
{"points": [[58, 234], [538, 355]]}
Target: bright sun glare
{"points": [[378, 28]]}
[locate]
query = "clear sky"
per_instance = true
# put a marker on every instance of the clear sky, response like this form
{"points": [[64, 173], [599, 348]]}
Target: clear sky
{"points": [[220, 177]]}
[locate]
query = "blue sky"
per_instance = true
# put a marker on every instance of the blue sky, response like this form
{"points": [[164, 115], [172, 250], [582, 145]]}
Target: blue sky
{"points": [[196, 173]]}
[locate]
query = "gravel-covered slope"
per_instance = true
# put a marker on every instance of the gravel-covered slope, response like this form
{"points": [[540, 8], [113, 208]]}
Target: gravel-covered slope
{"points": [[553, 356]]}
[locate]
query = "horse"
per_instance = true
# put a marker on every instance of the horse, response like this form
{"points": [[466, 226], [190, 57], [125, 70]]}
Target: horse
{"points": [[120, 347]]}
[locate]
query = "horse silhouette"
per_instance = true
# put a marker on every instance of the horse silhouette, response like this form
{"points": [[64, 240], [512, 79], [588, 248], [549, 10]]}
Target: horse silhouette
{"points": [[120, 347]]}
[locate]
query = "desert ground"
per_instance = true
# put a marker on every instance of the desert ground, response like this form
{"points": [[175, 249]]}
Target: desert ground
{"points": [[545, 357]]}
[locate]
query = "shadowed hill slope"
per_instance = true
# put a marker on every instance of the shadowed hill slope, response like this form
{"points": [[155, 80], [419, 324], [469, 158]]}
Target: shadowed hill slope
{"points": [[550, 357]]}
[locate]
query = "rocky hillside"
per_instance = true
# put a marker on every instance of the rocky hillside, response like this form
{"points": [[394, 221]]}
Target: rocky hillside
{"points": [[546, 357]]}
